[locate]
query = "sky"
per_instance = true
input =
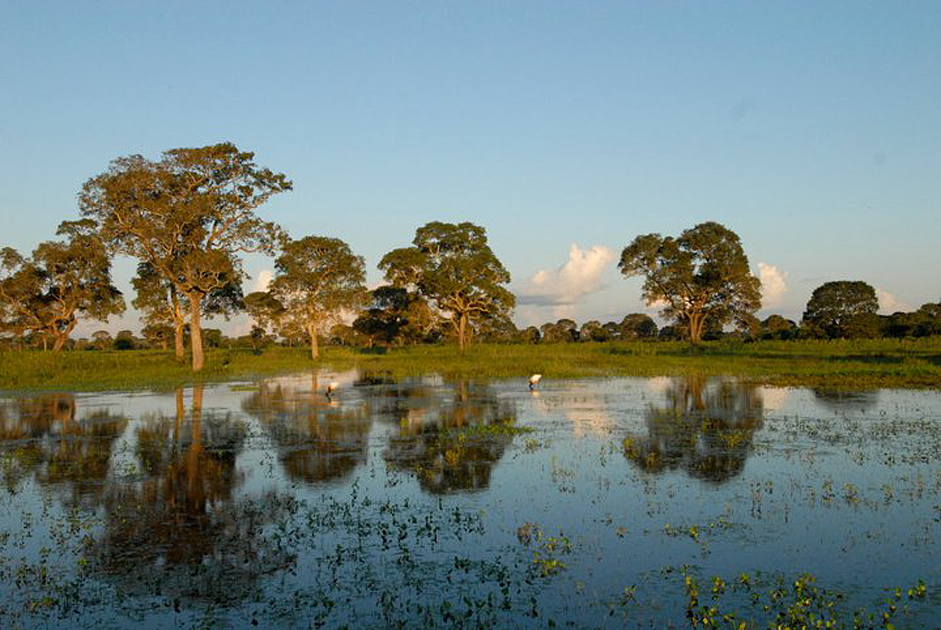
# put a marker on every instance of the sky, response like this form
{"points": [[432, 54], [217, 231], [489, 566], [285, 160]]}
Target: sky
{"points": [[566, 129]]}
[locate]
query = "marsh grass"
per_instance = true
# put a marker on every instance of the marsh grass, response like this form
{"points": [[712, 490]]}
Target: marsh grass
{"points": [[848, 364]]}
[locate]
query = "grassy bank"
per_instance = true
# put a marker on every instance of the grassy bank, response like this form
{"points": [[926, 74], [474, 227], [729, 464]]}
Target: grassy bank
{"points": [[850, 364]]}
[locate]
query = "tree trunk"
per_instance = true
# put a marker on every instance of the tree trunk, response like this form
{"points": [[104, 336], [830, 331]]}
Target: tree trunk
{"points": [[461, 327], [179, 322], [696, 321], [63, 335], [178, 340], [314, 349], [61, 338], [196, 334]]}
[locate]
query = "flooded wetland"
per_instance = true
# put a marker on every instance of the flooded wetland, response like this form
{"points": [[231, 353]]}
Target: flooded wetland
{"points": [[430, 502]]}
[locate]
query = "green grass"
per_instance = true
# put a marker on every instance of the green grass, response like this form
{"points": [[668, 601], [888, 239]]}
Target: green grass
{"points": [[849, 364]]}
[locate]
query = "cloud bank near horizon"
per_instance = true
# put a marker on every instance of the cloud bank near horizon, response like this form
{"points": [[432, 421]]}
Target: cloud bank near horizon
{"points": [[579, 276], [773, 284]]}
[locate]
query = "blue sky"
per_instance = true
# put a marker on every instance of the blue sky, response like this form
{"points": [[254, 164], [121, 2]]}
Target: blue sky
{"points": [[811, 129]]}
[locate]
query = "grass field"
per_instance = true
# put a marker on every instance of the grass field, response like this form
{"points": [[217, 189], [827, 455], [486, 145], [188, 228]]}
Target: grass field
{"points": [[851, 364]]}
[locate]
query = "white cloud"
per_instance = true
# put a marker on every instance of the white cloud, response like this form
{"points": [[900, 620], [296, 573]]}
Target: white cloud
{"points": [[774, 398], [262, 280], [579, 276], [888, 303], [773, 284]]}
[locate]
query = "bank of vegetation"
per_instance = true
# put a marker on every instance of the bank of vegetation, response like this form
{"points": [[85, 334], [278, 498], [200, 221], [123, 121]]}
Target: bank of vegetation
{"points": [[853, 364]]}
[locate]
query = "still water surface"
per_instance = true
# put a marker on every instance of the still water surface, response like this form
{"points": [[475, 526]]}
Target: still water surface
{"points": [[431, 501]]}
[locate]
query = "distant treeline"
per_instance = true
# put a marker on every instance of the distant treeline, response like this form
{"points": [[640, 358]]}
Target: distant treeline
{"points": [[188, 218], [365, 333]]}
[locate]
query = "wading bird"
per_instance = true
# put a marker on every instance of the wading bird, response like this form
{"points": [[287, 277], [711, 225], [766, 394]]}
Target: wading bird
{"points": [[534, 380], [332, 387]]}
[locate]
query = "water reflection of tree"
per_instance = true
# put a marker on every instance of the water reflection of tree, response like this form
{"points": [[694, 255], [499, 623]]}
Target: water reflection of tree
{"points": [[706, 428], [318, 440], [42, 436], [179, 530], [450, 442], [843, 400]]}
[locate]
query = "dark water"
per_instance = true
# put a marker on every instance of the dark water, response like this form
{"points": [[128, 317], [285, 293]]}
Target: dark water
{"points": [[590, 503]]}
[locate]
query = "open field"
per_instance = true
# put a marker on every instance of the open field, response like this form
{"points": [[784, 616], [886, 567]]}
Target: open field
{"points": [[849, 364]]}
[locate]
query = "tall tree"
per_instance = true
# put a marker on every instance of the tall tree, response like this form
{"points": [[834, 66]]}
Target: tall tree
{"points": [[453, 266], [188, 215], [317, 280], [61, 282], [834, 306], [701, 275]]}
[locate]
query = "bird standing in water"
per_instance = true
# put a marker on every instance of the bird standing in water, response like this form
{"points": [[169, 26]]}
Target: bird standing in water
{"points": [[534, 380], [332, 387]]}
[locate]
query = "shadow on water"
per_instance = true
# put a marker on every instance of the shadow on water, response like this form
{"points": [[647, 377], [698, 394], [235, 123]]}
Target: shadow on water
{"points": [[705, 428]]}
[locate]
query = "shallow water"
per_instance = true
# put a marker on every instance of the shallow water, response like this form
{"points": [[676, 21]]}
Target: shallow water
{"points": [[590, 503]]}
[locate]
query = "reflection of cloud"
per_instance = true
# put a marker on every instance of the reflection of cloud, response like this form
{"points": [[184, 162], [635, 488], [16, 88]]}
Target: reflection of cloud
{"points": [[263, 280], [590, 422], [773, 284], [773, 398], [888, 303], [658, 384], [579, 276]]}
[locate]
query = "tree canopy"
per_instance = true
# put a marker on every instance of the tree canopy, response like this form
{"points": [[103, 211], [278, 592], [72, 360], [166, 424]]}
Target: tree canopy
{"points": [[842, 308], [188, 215], [60, 282], [318, 278], [453, 266], [396, 316], [702, 275]]}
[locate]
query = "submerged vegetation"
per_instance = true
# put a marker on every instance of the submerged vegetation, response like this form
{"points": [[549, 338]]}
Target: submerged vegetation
{"points": [[854, 364]]}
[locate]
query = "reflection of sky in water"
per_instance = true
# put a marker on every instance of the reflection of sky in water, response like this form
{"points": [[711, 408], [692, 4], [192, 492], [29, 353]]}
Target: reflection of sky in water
{"points": [[841, 485]]}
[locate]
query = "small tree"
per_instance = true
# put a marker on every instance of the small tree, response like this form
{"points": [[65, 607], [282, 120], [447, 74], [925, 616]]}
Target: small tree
{"points": [[702, 275], [777, 327], [158, 335], [453, 266], [638, 326], [833, 306], [162, 306], [102, 339], [265, 311], [318, 279], [592, 331]]}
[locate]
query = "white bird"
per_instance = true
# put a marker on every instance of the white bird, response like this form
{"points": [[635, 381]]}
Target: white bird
{"points": [[332, 387], [534, 380]]}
